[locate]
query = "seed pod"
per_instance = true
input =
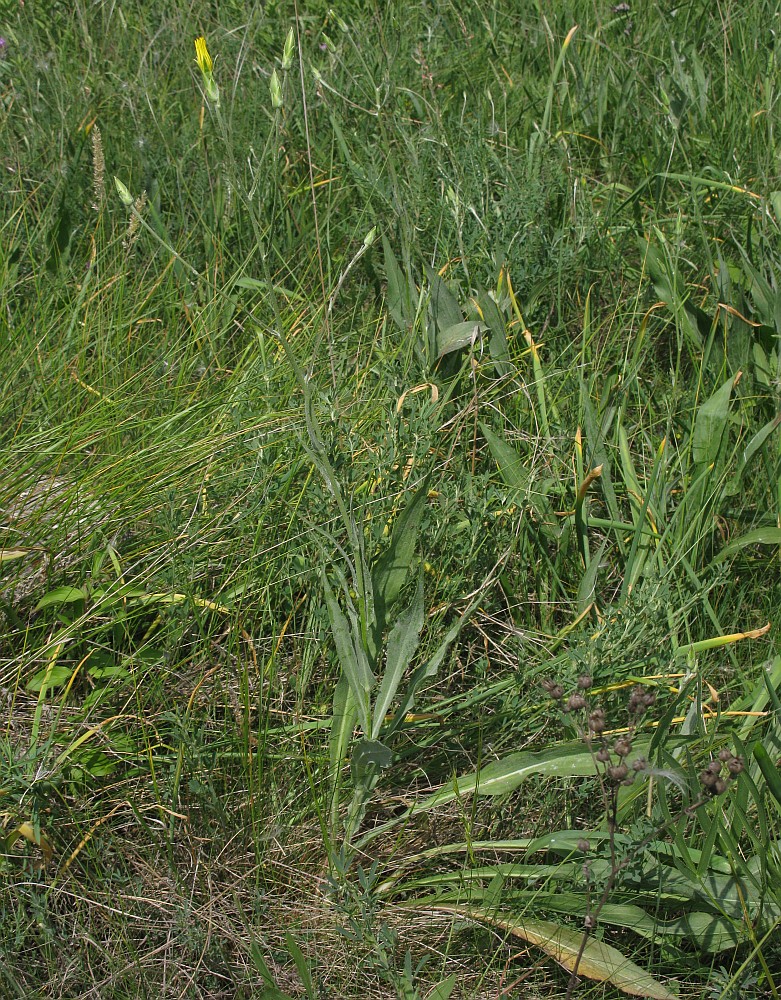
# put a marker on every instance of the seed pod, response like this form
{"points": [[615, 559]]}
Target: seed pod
{"points": [[596, 721], [623, 746], [735, 765]]}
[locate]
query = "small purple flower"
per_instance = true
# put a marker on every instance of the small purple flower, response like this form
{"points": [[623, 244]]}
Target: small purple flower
{"points": [[3, 47]]}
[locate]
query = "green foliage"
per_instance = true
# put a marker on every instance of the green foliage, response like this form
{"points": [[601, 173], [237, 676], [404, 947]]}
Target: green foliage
{"points": [[435, 350]]}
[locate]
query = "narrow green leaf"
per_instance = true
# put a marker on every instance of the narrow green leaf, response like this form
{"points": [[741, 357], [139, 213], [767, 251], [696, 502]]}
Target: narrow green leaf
{"points": [[352, 657], [512, 468], [342, 723], [759, 536], [769, 770], [301, 965], [271, 990], [390, 571], [400, 296], [402, 646], [9, 555], [751, 449], [429, 669]]}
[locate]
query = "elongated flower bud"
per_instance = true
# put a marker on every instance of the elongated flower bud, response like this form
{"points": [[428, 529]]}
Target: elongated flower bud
{"points": [[275, 87], [288, 50], [124, 194], [206, 67]]}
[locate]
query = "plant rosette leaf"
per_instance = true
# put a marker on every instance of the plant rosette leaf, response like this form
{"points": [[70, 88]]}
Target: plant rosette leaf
{"points": [[595, 960]]}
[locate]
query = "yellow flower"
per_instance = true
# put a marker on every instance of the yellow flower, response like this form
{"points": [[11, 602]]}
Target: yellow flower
{"points": [[205, 65], [202, 56]]}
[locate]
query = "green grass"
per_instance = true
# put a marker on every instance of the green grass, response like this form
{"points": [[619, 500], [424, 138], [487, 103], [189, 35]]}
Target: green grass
{"points": [[457, 372]]}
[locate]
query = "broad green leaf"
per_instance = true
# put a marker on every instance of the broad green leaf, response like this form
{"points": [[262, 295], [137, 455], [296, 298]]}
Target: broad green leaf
{"points": [[52, 677], [596, 960], [503, 776], [352, 657], [402, 646], [443, 990], [459, 335], [711, 933], [711, 423], [497, 343], [61, 595], [588, 585], [445, 310], [368, 759]]}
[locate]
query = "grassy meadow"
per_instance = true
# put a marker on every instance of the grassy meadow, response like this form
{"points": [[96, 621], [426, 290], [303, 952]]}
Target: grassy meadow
{"points": [[390, 500]]}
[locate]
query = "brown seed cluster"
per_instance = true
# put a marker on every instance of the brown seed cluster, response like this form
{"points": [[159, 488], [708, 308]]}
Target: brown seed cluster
{"points": [[612, 755], [712, 779]]}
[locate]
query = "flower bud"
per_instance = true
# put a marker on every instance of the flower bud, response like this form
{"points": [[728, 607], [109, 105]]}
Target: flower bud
{"points": [[288, 50], [125, 196], [275, 88], [205, 65]]}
